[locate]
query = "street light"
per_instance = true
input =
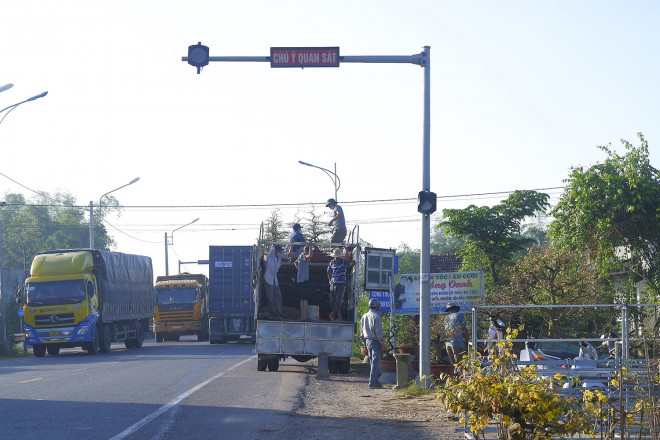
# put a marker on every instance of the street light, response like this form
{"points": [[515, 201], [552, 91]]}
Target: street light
{"points": [[91, 211], [335, 179], [13, 106], [167, 268]]}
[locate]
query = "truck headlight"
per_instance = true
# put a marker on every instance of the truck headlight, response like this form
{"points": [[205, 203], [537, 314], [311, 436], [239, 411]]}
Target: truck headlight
{"points": [[83, 330]]}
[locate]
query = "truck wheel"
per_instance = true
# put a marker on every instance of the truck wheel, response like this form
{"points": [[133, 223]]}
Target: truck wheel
{"points": [[129, 343], [261, 364], [333, 366], [159, 337], [106, 339], [139, 337], [39, 350], [94, 344], [344, 365], [273, 364], [53, 350]]}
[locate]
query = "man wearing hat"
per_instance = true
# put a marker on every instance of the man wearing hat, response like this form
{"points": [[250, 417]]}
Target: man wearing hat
{"points": [[457, 332], [296, 242], [371, 334], [338, 221], [272, 285], [337, 269]]}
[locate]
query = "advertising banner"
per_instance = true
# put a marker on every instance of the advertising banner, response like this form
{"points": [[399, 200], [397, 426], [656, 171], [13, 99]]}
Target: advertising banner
{"points": [[462, 288]]}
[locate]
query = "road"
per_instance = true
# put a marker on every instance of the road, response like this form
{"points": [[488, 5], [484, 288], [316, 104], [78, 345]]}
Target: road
{"points": [[161, 391]]}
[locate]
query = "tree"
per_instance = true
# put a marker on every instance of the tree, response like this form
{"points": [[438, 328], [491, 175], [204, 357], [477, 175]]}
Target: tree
{"points": [[492, 234], [273, 229], [552, 275], [48, 222], [443, 243], [612, 209], [315, 228], [408, 259]]}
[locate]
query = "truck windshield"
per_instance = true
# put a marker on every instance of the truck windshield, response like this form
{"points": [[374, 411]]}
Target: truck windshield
{"points": [[55, 292], [176, 296]]}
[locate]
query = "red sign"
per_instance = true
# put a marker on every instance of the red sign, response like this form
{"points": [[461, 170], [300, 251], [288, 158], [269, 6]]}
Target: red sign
{"points": [[304, 57]]}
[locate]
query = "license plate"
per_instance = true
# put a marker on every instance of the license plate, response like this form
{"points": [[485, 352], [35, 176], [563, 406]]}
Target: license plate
{"points": [[176, 326], [54, 333]]}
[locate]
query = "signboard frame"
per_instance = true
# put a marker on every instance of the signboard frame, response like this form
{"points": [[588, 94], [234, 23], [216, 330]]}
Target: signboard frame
{"points": [[301, 57]]}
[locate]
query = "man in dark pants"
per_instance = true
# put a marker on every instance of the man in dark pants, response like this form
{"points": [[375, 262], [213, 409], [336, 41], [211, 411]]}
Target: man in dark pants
{"points": [[371, 334], [337, 270]]}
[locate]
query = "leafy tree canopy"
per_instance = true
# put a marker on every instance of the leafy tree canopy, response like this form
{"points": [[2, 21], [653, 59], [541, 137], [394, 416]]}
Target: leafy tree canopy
{"points": [[45, 223], [492, 234], [612, 207]]}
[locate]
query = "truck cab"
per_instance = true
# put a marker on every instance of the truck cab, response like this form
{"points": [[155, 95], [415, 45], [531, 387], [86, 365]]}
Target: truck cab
{"points": [[181, 307]]}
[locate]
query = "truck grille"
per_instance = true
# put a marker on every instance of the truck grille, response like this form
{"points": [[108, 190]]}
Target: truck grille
{"points": [[54, 319], [185, 315]]}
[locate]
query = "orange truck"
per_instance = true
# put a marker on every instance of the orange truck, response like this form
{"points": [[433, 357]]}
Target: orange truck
{"points": [[181, 307]]}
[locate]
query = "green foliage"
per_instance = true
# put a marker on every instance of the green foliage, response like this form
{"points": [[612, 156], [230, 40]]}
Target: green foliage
{"points": [[492, 234], [551, 275], [443, 243], [408, 259], [612, 207], [273, 229], [45, 223]]}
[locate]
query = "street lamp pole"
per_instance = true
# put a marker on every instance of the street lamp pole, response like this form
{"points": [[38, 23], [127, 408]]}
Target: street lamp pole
{"points": [[91, 211], [167, 265], [13, 106], [333, 176], [5, 346]]}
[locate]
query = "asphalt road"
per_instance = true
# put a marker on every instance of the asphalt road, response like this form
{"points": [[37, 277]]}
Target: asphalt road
{"points": [[171, 390]]}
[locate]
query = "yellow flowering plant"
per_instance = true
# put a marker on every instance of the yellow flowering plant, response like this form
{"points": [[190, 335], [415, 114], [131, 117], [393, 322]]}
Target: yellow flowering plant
{"points": [[522, 403]]}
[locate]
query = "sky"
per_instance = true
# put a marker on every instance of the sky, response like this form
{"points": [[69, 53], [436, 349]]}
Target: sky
{"points": [[520, 93]]}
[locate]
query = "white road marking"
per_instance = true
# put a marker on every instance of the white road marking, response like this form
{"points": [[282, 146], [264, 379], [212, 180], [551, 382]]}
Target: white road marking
{"points": [[163, 409], [32, 380]]}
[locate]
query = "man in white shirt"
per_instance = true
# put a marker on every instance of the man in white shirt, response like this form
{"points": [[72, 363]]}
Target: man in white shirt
{"points": [[272, 285], [373, 338]]}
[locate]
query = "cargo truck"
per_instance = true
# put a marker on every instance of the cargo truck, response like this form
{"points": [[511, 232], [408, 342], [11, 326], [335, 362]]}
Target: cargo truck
{"points": [[231, 301], [304, 340], [87, 298], [181, 307]]}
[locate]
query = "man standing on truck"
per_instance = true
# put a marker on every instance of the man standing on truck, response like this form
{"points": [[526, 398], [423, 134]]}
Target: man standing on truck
{"points": [[293, 250], [337, 269], [272, 285], [371, 334], [302, 281], [339, 232]]}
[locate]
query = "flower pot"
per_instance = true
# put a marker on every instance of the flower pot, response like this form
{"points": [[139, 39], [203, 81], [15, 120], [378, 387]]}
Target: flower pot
{"points": [[437, 369], [387, 366], [407, 349]]}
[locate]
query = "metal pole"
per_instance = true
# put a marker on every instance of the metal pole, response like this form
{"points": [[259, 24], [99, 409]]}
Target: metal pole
{"points": [[392, 313], [167, 270], [5, 348], [91, 224], [425, 255]]}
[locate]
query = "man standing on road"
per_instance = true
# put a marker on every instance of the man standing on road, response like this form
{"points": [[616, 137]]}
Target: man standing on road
{"points": [[373, 338], [339, 232], [272, 286], [337, 269], [457, 332]]}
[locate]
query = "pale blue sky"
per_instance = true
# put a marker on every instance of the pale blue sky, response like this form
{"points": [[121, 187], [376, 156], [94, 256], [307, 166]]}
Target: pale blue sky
{"points": [[520, 92]]}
